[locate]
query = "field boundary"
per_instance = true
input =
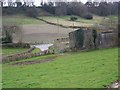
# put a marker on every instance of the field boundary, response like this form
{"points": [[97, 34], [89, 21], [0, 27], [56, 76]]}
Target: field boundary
{"points": [[24, 55], [64, 26]]}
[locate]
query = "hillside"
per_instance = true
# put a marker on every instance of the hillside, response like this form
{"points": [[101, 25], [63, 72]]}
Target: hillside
{"points": [[65, 20], [19, 19], [62, 20], [35, 30], [93, 69]]}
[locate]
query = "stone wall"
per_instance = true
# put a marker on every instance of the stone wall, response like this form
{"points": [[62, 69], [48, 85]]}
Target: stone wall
{"points": [[81, 39], [107, 39], [13, 45], [90, 39], [21, 56]]}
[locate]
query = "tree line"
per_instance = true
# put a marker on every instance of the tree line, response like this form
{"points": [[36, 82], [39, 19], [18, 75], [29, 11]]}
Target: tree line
{"points": [[61, 8]]}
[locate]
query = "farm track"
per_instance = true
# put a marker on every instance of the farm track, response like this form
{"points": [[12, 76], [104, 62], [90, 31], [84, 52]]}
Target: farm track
{"points": [[35, 61]]}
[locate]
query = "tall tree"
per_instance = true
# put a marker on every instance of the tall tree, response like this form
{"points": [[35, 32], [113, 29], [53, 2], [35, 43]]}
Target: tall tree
{"points": [[76, 8], [10, 3], [19, 3], [9, 30], [61, 8], [103, 9]]}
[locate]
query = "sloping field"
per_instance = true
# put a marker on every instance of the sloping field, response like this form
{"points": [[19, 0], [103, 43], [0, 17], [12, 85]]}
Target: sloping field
{"points": [[38, 31], [93, 69], [7, 51], [35, 30], [65, 20], [43, 33], [19, 19], [11, 51]]}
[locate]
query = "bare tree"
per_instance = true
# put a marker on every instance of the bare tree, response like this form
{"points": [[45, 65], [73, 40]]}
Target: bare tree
{"points": [[19, 3], [61, 8], [10, 3], [77, 8], [9, 31]]}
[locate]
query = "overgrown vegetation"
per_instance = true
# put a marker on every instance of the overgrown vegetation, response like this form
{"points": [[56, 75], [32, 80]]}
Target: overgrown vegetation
{"points": [[8, 31], [88, 16]]}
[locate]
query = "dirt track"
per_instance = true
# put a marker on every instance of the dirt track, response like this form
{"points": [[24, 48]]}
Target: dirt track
{"points": [[35, 61]]}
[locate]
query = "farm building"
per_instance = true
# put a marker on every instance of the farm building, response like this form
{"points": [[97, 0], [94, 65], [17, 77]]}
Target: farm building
{"points": [[89, 39]]}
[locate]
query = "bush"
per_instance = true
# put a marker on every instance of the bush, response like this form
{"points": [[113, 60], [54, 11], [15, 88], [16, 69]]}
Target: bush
{"points": [[32, 12], [73, 18], [88, 16], [6, 40]]}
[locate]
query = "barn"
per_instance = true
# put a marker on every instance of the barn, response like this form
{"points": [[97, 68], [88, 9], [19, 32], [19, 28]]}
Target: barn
{"points": [[84, 38]]}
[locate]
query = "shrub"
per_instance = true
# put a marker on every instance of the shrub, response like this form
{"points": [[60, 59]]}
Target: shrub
{"points": [[88, 16], [32, 12], [73, 18]]}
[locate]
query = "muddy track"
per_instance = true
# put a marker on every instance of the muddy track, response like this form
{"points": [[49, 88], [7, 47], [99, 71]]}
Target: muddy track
{"points": [[35, 61]]}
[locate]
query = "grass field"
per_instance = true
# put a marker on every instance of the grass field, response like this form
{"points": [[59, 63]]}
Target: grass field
{"points": [[64, 20], [36, 50], [93, 69], [95, 20], [20, 19], [11, 51]]}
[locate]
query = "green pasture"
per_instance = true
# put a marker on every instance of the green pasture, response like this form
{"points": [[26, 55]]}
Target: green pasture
{"points": [[11, 51], [92, 69], [20, 19]]}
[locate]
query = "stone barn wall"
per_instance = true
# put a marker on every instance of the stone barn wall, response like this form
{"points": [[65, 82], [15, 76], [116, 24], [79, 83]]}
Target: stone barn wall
{"points": [[81, 39], [89, 39], [107, 39]]}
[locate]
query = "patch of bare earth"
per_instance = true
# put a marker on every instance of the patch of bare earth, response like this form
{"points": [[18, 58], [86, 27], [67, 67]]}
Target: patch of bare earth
{"points": [[114, 86], [35, 61]]}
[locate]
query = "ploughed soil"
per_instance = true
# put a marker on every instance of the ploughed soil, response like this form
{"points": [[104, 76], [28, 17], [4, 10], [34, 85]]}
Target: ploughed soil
{"points": [[35, 61]]}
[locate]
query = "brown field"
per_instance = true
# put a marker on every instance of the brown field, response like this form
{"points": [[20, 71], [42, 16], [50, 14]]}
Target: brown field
{"points": [[44, 32]]}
